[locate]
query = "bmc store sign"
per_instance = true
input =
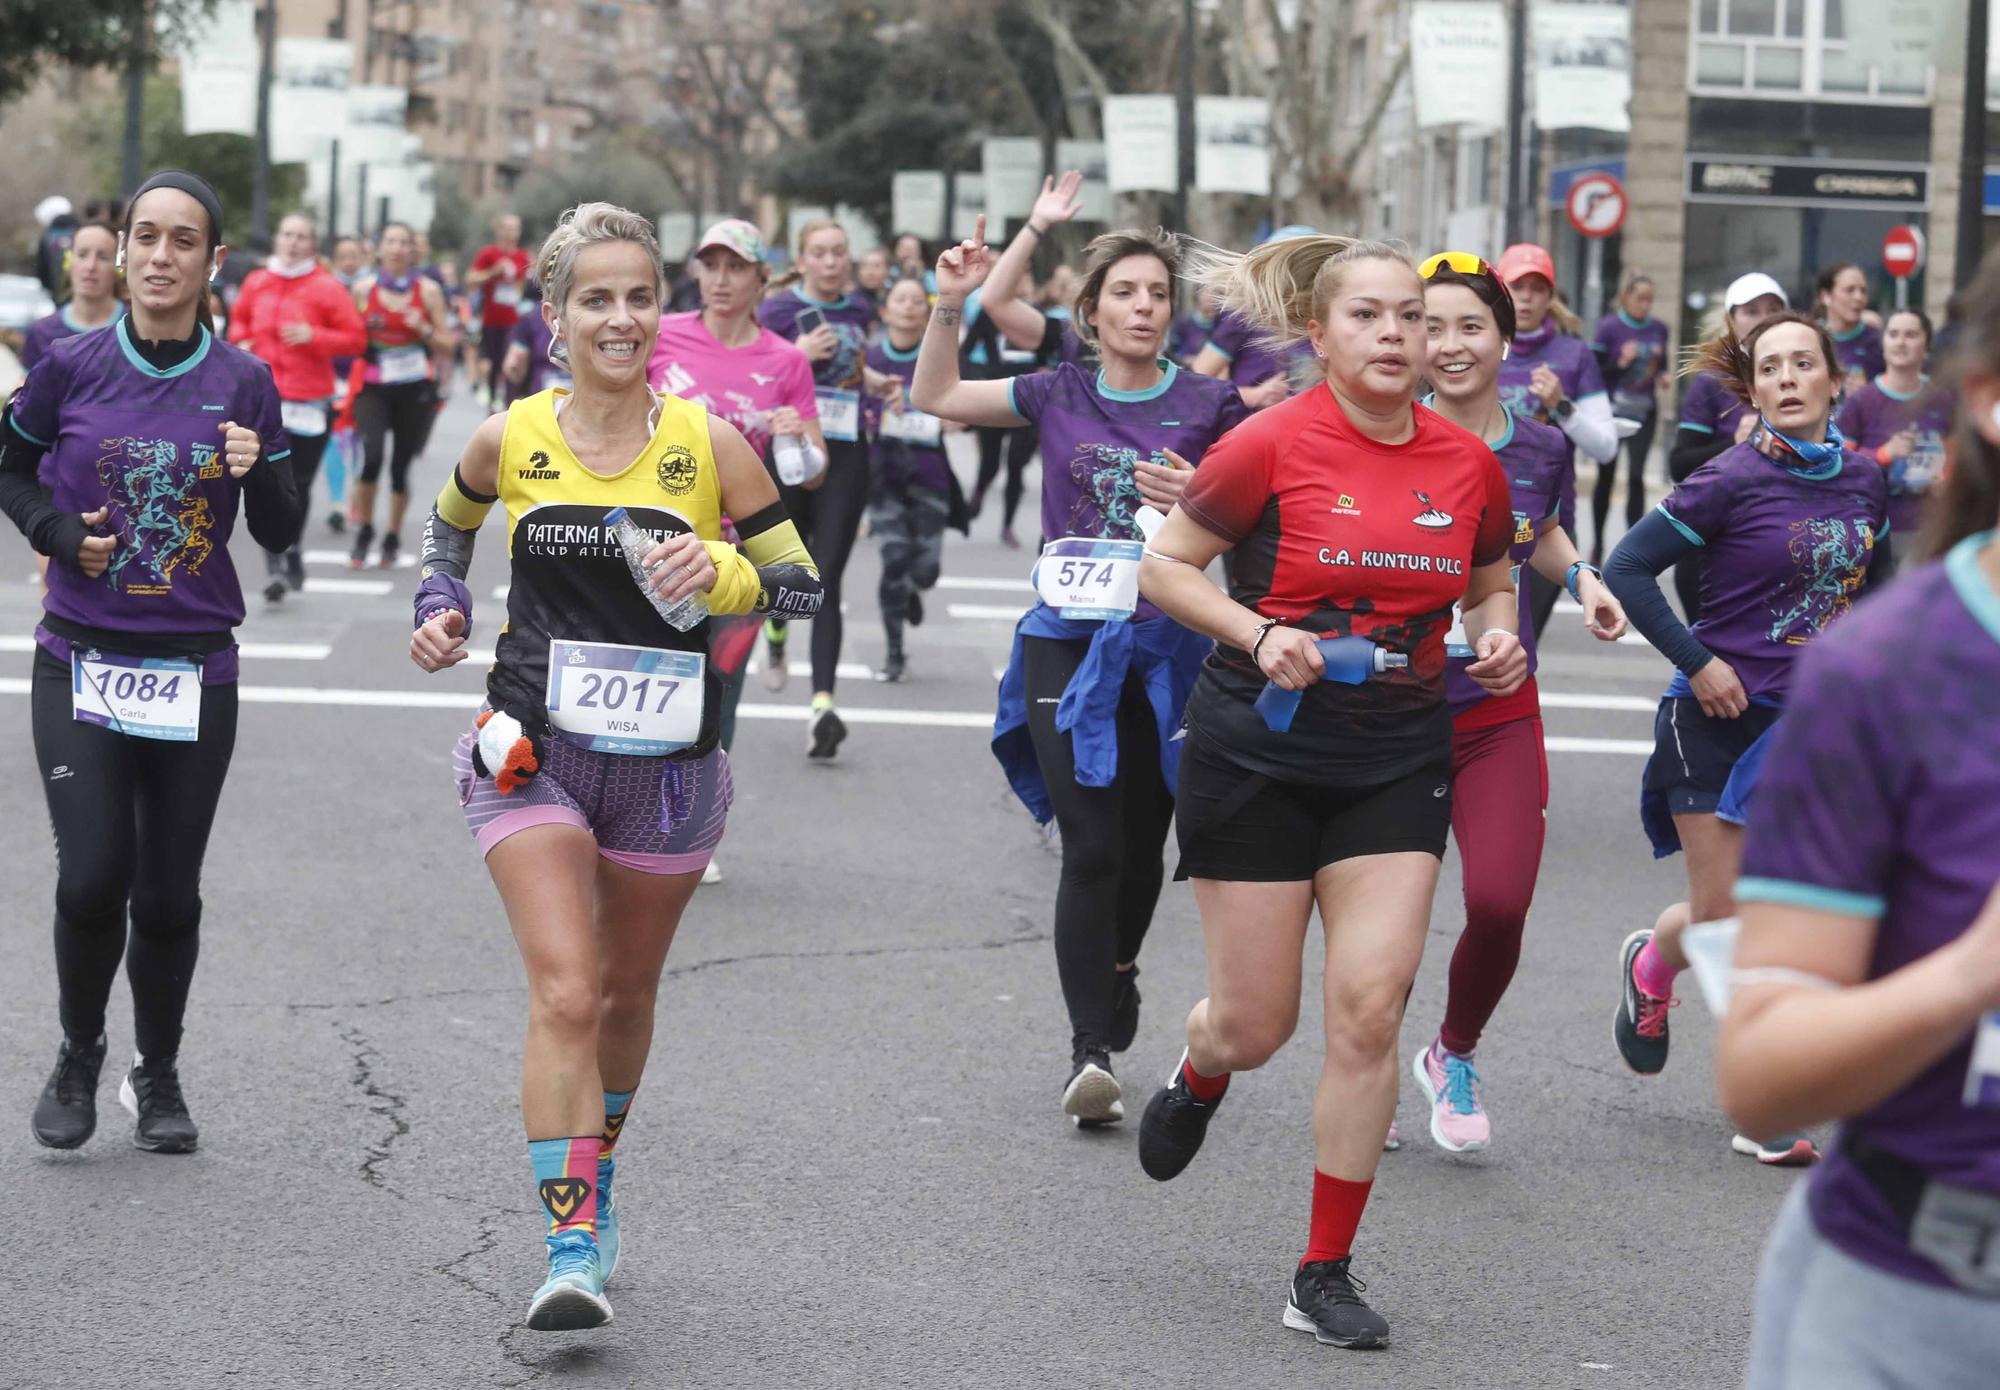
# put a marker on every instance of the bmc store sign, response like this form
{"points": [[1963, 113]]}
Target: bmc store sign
{"points": [[1806, 183]]}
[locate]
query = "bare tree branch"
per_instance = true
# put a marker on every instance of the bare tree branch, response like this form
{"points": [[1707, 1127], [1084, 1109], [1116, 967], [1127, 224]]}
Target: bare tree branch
{"points": [[1365, 133]]}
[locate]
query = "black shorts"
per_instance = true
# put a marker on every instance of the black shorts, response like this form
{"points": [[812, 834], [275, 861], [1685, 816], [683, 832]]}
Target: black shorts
{"points": [[1243, 827], [1693, 754]]}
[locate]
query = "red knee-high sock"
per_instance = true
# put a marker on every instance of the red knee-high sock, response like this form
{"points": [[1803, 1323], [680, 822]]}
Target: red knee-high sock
{"points": [[1337, 1207]]}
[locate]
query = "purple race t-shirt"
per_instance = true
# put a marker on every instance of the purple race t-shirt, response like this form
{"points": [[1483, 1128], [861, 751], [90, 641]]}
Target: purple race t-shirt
{"points": [[850, 318], [1191, 333], [1632, 386], [1537, 460], [1252, 363], [1575, 366], [47, 331], [1875, 414], [531, 333], [1710, 407], [926, 461], [148, 444], [1784, 552], [1859, 354], [1880, 798]]}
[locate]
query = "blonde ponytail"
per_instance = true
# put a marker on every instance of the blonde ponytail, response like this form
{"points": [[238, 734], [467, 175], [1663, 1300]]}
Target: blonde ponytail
{"points": [[1282, 286]]}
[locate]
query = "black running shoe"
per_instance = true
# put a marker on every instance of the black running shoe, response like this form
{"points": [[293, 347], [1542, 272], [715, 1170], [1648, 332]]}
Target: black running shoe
{"points": [[336, 521], [295, 569], [274, 589], [1172, 1129], [914, 614], [1640, 1025], [1326, 1301], [152, 1092], [892, 669], [66, 1115], [828, 729], [1093, 1097], [364, 537], [1125, 1011], [391, 545]]}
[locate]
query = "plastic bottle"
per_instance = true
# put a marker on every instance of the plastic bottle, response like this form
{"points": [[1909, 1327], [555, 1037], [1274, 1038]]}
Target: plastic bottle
{"points": [[1349, 660], [635, 541], [790, 456]]}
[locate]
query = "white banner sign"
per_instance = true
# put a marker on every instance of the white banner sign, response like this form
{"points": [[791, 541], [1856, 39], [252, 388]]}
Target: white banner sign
{"points": [[676, 231], [1142, 144], [1012, 168], [917, 196], [375, 125], [1091, 158], [1903, 38], [968, 200], [1232, 145], [309, 97], [1583, 66], [219, 72], [1458, 63]]}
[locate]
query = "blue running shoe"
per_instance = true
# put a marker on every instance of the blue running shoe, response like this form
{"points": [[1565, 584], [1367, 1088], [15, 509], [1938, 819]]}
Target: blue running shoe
{"points": [[573, 1298], [607, 1220]]}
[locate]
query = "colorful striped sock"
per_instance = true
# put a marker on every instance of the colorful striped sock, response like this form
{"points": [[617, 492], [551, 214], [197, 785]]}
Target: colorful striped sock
{"points": [[616, 1104], [566, 1182]]}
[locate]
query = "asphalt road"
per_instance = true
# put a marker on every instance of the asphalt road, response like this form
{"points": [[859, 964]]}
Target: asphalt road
{"points": [[848, 1166]]}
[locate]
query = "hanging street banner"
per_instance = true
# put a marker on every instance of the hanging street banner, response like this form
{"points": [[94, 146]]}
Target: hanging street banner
{"points": [[1583, 66], [1090, 158], [309, 97], [917, 196], [1012, 166], [218, 71], [1232, 150], [1142, 144], [1458, 63]]}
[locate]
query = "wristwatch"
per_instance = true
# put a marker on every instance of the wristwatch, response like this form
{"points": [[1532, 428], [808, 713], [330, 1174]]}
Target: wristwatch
{"points": [[1565, 408]]}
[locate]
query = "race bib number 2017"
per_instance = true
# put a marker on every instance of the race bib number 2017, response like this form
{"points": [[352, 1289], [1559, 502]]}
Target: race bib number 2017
{"points": [[610, 698]]}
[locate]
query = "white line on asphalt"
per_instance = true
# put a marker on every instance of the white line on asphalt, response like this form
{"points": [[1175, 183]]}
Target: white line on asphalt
{"points": [[1636, 747], [343, 559], [256, 651], [846, 670], [376, 587], [985, 612], [500, 592], [1637, 703], [1012, 586]]}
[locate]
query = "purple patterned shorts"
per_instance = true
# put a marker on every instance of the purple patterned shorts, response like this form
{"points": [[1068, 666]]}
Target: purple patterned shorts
{"points": [[627, 803]]}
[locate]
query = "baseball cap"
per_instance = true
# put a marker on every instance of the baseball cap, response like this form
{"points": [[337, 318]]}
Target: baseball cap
{"points": [[736, 235], [1745, 288], [1289, 231], [52, 207], [1525, 258]]}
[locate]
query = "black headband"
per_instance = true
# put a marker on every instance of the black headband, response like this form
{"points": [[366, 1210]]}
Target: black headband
{"points": [[195, 188]]}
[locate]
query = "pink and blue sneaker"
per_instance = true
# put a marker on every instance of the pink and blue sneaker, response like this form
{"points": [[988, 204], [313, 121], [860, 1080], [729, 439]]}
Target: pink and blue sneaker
{"points": [[1458, 1119]]}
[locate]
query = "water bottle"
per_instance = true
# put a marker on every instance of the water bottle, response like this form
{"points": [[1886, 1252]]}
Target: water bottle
{"points": [[635, 541], [790, 456], [1349, 660]]}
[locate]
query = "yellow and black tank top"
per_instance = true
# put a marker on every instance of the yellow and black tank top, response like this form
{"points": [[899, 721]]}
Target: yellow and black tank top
{"points": [[569, 578]]}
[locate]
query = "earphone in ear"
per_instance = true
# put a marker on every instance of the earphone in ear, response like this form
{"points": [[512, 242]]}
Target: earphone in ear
{"points": [[215, 268], [1996, 415], [119, 262], [1506, 351]]}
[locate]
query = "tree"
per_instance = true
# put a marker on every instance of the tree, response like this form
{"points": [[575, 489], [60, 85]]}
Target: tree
{"points": [[82, 33], [610, 171], [228, 162]]}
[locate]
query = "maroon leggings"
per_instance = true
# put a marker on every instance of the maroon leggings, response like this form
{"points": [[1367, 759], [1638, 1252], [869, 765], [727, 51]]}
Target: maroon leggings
{"points": [[1499, 792]]}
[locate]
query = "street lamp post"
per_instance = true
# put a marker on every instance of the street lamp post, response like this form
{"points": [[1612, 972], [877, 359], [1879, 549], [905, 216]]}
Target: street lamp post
{"points": [[1184, 104], [1971, 239], [260, 173]]}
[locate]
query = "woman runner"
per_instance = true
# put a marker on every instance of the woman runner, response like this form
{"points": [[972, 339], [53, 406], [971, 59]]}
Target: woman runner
{"points": [[1095, 688], [605, 795], [1351, 513], [1787, 542], [1867, 972], [913, 495], [1634, 345], [831, 328], [157, 434], [1843, 308], [343, 452], [1500, 777], [93, 299], [1902, 418], [407, 331], [296, 316]]}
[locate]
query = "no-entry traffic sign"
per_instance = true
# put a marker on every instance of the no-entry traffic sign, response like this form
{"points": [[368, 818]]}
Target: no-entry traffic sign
{"points": [[1596, 205], [1903, 252]]}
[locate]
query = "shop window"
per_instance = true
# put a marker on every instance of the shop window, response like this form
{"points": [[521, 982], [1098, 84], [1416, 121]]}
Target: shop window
{"points": [[1790, 47], [1720, 65], [1780, 68]]}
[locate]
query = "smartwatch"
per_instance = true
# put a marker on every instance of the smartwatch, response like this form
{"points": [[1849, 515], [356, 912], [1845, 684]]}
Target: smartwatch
{"points": [[1565, 408]]}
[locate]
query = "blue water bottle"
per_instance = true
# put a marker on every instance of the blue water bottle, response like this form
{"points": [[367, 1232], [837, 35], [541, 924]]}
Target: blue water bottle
{"points": [[1349, 660]]}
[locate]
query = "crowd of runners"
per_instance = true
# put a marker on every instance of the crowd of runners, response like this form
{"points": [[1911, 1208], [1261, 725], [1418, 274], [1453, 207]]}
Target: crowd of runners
{"points": [[1304, 511]]}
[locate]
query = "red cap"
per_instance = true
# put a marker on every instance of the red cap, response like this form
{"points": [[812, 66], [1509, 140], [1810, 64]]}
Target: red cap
{"points": [[1526, 258]]}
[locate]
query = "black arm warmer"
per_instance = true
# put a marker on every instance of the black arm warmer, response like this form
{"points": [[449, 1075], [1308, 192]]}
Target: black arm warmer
{"points": [[272, 508], [445, 548], [788, 583], [26, 502], [1633, 573], [1692, 448]]}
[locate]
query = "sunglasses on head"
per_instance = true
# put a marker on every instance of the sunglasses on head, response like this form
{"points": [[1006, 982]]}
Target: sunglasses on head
{"points": [[1462, 262]]}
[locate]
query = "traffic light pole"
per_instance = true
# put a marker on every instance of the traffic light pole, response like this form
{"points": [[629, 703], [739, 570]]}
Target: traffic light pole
{"points": [[1971, 239]]}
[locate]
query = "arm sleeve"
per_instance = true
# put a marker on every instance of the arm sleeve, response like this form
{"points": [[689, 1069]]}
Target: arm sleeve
{"points": [[1229, 491], [272, 508], [1633, 573], [1589, 426], [1824, 827], [446, 550], [26, 501], [772, 573], [1496, 516]]}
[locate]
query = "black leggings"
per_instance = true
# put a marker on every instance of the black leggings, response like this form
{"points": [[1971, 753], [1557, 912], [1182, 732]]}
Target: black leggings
{"points": [[307, 451], [1019, 446], [409, 409], [131, 819], [1636, 450], [829, 519], [1112, 837]]}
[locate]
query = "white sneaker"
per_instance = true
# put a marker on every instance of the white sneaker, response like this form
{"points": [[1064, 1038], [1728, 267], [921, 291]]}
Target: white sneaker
{"points": [[711, 874]]}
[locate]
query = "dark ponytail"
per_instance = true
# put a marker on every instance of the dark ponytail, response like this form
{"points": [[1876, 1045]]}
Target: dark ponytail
{"points": [[1968, 500]]}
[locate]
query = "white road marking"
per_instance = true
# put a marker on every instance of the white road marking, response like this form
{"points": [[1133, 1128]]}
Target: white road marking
{"points": [[1012, 586], [1638, 704], [1639, 748], [378, 588], [986, 612], [256, 651], [846, 670], [344, 559]]}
